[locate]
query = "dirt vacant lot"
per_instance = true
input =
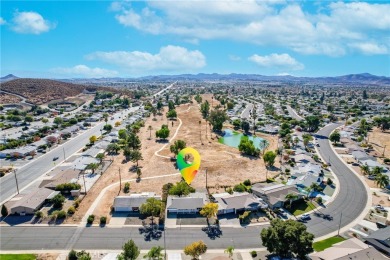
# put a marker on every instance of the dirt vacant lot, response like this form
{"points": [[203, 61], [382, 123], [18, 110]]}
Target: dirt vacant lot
{"points": [[379, 140], [225, 166]]}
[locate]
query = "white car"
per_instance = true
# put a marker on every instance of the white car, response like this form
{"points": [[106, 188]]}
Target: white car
{"points": [[282, 213]]}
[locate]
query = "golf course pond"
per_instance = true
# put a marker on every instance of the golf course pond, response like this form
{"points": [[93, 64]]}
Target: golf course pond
{"points": [[233, 139]]}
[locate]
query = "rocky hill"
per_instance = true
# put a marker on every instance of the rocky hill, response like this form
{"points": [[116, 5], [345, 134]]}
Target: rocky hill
{"points": [[40, 91]]}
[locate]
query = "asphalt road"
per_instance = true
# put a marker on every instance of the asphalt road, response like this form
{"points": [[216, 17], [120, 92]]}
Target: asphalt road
{"points": [[246, 113], [33, 170], [351, 201], [293, 113], [352, 197], [94, 238]]}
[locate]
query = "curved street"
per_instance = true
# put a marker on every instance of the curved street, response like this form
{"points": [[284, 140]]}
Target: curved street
{"points": [[350, 201]]}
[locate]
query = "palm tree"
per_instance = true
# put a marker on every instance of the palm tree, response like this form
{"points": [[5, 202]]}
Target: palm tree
{"points": [[150, 131], [100, 156], [92, 166], [382, 180], [291, 197], [229, 250], [377, 170], [313, 187], [254, 116], [264, 145], [154, 253], [365, 169]]}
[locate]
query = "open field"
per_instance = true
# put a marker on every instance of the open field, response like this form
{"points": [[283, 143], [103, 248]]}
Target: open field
{"points": [[379, 140], [225, 166], [9, 99]]}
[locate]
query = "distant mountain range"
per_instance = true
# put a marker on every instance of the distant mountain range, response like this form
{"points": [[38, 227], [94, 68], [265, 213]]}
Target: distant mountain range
{"points": [[363, 78]]}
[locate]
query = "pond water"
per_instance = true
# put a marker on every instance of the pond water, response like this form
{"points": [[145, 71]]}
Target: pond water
{"points": [[233, 139]]}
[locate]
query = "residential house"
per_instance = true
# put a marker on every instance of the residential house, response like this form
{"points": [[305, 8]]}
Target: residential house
{"points": [[238, 202], [274, 194], [81, 162], [33, 201], [132, 202], [380, 239], [190, 204]]}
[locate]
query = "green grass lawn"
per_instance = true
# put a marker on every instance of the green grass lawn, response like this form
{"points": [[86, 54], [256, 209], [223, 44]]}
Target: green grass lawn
{"points": [[324, 244], [299, 207], [17, 257]]}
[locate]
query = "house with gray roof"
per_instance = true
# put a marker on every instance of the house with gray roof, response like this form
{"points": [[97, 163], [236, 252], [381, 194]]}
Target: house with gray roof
{"points": [[190, 204], [133, 202], [275, 194], [33, 201], [238, 202], [380, 239]]}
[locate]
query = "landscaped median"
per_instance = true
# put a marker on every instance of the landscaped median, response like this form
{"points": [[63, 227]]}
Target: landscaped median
{"points": [[326, 243]]}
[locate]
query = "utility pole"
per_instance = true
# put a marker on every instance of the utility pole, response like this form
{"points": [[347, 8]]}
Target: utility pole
{"points": [[120, 180], [16, 180], [341, 216], [85, 187], [206, 178]]}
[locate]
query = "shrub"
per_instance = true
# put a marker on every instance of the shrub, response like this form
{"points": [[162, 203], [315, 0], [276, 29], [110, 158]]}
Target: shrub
{"points": [[76, 203], [329, 181], [38, 214], [90, 219], [61, 214], [103, 220], [239, 188], [229, 190], [319, 200], [253, 253], [71, 210], [67, 187], [126, 189], [58, 200], [72, 255], [247, 183]]}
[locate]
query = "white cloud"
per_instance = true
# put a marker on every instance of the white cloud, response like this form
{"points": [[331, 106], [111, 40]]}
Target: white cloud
{"points": [[169, 58], [85, 71], [31, 23], [331, 30], [370, 48], [2, 21], [274, 60]]}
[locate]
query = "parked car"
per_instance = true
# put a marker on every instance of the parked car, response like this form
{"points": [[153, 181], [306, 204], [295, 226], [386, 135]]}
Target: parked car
{"points": [[282, 213], [371, 177], [381, 208]]}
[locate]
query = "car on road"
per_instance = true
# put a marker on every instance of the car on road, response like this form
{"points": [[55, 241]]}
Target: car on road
{"points": [[305, 217], [328, 217], [55, 158]]}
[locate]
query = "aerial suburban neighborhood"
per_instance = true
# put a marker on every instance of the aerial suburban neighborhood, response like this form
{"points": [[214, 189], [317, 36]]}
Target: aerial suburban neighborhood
{"points": [[136, 130]]}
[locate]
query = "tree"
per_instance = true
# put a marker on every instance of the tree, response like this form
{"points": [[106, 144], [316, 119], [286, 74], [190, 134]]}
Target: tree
{"points": [[154, 253], [107, 127], [365, 96], [236, 123], [245, 126], [209, 210], [376, 170], [113, 148], [312, 123], [117, 123], [4, 211], [247, 147], [45, 120], [195, 249], [151, 207], [150, 131], [28, 119], [229, 250], [92, 166], [58, 200], [335, 137], [177, 146], [365, 169], [296, 141], [100, 156], [287, 237], [181, 189], [130, 251], [133, 141], [291, 197], [93, 139], [52, 139], [58, 120], [205, 109], [382, 180], [163, 133], [217, 118], [139, 173], [135, 156], [171, 105], [269, 158], [172, 113]]}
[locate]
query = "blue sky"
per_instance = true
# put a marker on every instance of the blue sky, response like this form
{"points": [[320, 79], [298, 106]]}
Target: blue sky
{"points": [[65, 39]]}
